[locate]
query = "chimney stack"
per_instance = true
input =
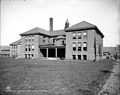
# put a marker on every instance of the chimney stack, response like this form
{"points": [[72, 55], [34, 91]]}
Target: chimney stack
{"points": [[67, 24], [51, 24]]}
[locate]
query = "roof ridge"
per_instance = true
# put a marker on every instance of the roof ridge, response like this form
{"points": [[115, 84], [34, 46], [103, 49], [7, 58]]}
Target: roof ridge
{"points": [[36, 30]]}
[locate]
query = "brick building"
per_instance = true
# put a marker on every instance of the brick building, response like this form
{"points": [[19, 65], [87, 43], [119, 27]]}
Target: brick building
{"points": [[15, 48], [117, 52], [82, 41], [4, 51]]}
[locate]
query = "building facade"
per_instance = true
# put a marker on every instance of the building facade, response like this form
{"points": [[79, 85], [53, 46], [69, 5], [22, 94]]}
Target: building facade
{"points": [[4, 51], [82, 41], [15, 49], [117, 52]]}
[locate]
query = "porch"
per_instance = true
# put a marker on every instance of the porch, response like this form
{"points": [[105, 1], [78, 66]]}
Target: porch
{"points": [[52, 51]]}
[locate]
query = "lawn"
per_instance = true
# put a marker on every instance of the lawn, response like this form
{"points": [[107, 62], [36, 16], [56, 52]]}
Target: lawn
{"points": [[52, 77]]}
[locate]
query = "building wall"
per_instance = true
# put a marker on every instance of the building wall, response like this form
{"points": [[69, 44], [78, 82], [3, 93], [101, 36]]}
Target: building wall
{"points": [[99, 43], [69, 41], [91, 55], [90, 44], [15, 51], [117, 49], [35, 43]]}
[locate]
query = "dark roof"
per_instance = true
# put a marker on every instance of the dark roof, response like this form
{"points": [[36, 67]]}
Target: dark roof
{"points": [[83, 26], [80, 26], [36, 30], [18, 42], [57, 32]]}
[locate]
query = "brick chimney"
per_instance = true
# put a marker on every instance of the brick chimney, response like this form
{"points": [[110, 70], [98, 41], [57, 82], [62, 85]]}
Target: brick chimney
{"points": [[66, 24], [51, 24]]}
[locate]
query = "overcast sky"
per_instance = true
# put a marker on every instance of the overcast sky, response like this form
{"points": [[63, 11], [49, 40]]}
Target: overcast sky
{"points": [[18, 16]]}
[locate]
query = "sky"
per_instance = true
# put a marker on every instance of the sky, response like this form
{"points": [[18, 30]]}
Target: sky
{"points": [[18, 16]]}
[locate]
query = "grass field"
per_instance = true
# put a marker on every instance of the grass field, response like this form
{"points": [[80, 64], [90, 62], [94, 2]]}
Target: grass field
{"points": [[52, 77]]}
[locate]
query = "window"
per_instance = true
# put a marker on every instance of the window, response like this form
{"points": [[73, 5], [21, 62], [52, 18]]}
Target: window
{"points": [[53, 41], [32, 38], [100, 50], [84, 57], [29, 56], [79, 35], [29, 48], [43, 39], [26, 38], [33, 47], [79, 46], [74, 46], [74, 57], [63, 42], [79, 57], [84, 46], [25, 55], [32, 55], [29, 39], [85, 34], [26, 47], [74, 35]]}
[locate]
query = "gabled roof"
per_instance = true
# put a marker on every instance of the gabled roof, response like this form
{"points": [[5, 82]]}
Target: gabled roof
{"points": [[81, 25], [57, 32], [18, 42], [36, 30]]}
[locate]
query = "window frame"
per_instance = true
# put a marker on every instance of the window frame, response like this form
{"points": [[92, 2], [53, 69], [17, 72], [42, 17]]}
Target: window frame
{"points": [[74, 57], [84, 57], [84, 48], [74, 47], [74, 35], [79, 48], [84, 36], [79, 57], [79, 36]]}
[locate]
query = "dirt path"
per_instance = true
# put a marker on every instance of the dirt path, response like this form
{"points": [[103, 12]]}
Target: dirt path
{"points": [[111, 87]]}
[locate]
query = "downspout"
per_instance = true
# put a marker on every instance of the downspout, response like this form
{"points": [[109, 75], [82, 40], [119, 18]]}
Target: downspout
{"points": [[95, 47]]}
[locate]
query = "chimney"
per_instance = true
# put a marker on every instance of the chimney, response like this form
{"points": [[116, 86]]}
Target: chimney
{"points": [[51, 24], [67, 24]]}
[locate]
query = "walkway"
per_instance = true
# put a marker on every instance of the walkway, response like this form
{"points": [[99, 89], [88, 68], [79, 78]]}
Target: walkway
{"points": [[111, 87]]}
